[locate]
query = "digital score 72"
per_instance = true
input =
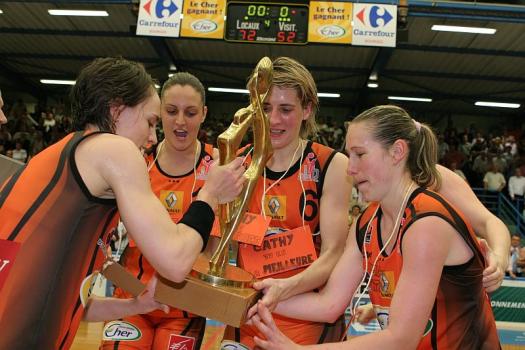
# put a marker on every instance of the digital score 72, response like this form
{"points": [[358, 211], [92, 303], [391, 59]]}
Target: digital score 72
{"points": [[266, 23]]}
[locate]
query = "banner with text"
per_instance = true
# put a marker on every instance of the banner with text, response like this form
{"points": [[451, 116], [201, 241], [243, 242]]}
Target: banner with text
{"points": [[330, 22], [159, 18], [203, 19], [508, 301], [374, 25]]}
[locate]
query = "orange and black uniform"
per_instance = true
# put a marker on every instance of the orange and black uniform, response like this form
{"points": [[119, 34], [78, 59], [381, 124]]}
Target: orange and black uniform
{"points": [[157, 329], [49, 210], [461, 317], [284, 202]]}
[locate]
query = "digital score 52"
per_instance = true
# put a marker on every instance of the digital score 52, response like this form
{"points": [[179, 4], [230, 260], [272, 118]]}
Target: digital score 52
{"points": [[267, 23]]}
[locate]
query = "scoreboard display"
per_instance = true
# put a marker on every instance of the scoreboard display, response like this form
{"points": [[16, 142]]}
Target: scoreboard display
{"points": [[268, 23]]}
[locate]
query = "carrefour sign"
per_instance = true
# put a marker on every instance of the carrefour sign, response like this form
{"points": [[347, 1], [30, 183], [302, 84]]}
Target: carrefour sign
{"points": [[374, 25], [159, 18]]}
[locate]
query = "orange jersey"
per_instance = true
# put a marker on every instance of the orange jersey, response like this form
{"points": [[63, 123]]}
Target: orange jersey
{"points": [[284, 201], [176, 194], [49, 210], [461, 317]]}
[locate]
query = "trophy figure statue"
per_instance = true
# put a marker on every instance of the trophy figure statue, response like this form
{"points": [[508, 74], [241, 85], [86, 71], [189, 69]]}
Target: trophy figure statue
{"points": [[216, 289]]}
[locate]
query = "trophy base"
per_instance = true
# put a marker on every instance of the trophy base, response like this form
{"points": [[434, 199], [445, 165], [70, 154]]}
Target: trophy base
{"points": [[232, 276], [117, 274], [211, 296]]}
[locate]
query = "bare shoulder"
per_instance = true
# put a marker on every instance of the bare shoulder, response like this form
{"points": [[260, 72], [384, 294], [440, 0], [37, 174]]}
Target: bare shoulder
{"points": [[102, 159], [336, 172]]}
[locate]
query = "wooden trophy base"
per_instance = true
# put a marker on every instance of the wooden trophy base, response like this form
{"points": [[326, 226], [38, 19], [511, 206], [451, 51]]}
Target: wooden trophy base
{"points": [[117, 274], [198, 295]]}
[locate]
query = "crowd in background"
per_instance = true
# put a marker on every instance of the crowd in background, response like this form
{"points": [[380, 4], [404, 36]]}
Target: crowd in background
{"points": [[485, 159]]}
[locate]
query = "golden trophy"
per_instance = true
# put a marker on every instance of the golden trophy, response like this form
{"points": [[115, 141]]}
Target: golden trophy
{"points": [[216, 289]]}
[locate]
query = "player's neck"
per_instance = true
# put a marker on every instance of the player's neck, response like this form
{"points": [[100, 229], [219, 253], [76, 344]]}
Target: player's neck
{"points": [[286, 157], [178, 162]]}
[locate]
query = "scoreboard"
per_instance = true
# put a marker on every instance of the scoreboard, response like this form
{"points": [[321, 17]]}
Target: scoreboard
{"points": [[266, 23]]}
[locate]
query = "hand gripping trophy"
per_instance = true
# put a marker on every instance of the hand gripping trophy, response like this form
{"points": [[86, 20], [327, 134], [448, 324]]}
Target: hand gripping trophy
{"points": [[215, 288]]}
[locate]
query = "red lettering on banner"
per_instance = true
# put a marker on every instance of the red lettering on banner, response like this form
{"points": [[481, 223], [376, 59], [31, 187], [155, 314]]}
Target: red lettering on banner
{"points": [[8, 252], [279, 253]]}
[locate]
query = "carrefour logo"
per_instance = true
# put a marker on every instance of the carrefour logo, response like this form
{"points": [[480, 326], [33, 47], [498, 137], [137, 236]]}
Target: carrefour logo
{"points": [[204, 26], [378, 16], [163, 8], [331, 31]]}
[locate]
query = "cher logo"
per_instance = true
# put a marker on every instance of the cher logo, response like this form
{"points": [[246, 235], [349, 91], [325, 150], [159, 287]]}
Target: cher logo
{"points": [[331, 31], [204, 26], [172, 200], [276, 207], [121, 330]]}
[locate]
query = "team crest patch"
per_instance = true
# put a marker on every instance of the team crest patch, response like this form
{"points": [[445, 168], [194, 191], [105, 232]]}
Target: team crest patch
{"points": [[231, 345], [310, 172], [202, 174], [180, 342], [121, 331]]}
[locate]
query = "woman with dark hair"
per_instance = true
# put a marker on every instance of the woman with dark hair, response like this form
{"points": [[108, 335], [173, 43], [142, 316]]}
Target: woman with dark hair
{"points": [[178, 168], [56, 208]]}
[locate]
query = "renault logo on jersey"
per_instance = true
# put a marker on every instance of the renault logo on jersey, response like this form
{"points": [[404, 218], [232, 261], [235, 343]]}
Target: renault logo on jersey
{"points": [[387, 284], [121, 330], [378, 16], [163, 9], [276, 207], [172, 200]]}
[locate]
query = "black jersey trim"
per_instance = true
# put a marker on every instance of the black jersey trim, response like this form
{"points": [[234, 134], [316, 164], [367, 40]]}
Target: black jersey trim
{"points": [[202, 154], [47, 190], [76, 173], [9, 185]]}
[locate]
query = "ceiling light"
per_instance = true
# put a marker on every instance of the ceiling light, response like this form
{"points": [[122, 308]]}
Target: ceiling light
{"points": [[90, 13], [497, 104], [157, 86], [373, 76], [173, 67], [244, 91], [57, 82], [234, 91], [1, 11], [372, 85], [459, 29], [328, 94], [403, 98]]}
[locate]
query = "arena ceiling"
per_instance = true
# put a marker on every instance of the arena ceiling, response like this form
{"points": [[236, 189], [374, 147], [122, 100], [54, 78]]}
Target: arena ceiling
{"points": [[453, 69]]}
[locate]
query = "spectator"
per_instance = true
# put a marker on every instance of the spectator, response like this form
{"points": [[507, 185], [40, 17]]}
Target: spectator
{"points": [[516, 185], [354, 214], [515, 246], [493, 180], [19, 153]]}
